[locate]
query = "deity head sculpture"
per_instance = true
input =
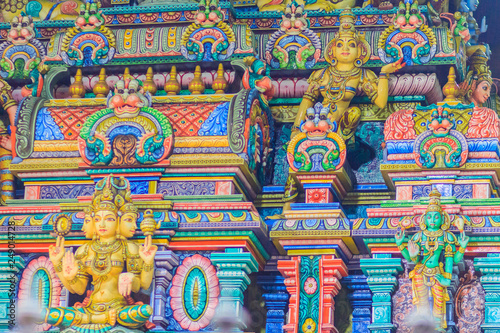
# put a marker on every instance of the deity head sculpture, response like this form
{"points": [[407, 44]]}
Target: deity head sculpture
{"points": [[476, 87], [128, 220], [348, 46], [294, 20], [88, 224], [317, 124], [128, 99], [408, 17], [440, 123], [22, 30], [435, 218], [90, 17], [209, 13], [472, 4]]}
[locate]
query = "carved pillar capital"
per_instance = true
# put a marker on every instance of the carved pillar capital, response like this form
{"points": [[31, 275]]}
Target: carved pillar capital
{"points": [[233, 268], [381, 272]]}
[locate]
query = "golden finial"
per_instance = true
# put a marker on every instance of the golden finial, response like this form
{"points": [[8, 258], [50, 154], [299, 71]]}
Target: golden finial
{"points": [[196, 86], [172, 86], [76, 89], [101, 88], [126, 74], [451, 89], [220, 82], [149, 83]]}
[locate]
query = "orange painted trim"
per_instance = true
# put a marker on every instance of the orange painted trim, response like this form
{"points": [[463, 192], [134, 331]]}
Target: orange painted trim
{"points": [[28, 247]]}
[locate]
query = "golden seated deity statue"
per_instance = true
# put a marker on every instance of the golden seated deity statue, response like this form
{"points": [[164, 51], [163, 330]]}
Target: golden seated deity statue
{"points": [[116, 266], [337, 84]]}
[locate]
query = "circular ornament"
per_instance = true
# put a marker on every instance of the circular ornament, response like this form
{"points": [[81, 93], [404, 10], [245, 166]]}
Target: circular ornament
{"points": [[62, 225]]}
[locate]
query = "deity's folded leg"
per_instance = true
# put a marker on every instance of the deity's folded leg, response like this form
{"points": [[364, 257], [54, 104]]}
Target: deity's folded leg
{"points": [[63, 316], [134, 316]]}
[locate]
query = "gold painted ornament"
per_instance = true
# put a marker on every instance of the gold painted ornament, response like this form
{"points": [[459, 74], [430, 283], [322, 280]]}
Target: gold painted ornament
{"points": [[220, 83], [172, 86], [62, 225], [197, 86], [148, 224], [77, 89], [101, 88], [149, 83]]}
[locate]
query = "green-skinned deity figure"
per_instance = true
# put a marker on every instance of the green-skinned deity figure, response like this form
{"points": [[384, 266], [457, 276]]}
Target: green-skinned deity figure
{"points": [[434, 250]]}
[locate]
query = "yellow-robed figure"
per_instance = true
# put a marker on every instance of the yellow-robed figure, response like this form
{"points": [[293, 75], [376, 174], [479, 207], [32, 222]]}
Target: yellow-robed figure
{"points": [[116, 266]]}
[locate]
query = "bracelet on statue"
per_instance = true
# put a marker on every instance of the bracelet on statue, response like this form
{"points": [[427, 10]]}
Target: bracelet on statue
{"points": [[74, 281], [148, 268], [414, 259], [310, 96], [383, 75], [461, 250], [446, 275], [58, 267], [401, 247]]}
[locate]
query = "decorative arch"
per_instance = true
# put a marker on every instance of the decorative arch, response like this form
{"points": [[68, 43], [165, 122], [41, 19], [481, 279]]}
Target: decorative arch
{"points": [[39, 283]]}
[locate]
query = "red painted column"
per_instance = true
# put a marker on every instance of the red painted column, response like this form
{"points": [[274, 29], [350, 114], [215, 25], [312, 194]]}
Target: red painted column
{"points": [[290, 270], [331, 271]]}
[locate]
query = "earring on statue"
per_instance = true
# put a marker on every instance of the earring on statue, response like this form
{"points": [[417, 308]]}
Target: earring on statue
{"points": [[358, 63]]}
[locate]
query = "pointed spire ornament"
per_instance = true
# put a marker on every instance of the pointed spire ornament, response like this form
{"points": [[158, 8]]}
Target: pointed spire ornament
{"points": [[101, 88], [196, 86], [126, 74], [220, 82], [149, 83], [76, 89], [172, 86]]}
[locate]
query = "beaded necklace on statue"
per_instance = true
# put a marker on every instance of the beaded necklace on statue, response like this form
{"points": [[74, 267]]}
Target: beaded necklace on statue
{"points": [[101, 263], [432, 242], [338, 81]]}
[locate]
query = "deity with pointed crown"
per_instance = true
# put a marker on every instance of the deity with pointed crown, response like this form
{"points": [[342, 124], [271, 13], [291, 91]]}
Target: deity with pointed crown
{"points": [[476, 87], [432, 275], [116, 266], [337, 84]]}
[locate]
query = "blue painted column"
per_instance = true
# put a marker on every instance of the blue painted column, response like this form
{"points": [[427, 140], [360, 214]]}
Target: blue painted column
{"points": [[276, 297], [233, 268], [360, 298], [165, 261], [381, 272], [489, 267], [9, 267]]}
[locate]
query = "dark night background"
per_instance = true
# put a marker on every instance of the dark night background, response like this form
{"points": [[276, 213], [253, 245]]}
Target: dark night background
{"points": [[491, 9]]}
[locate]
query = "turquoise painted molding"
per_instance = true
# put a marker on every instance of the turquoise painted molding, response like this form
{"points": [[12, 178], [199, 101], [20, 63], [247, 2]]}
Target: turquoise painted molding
{"points": [[381, 272], [233, 268], [489, 267]]}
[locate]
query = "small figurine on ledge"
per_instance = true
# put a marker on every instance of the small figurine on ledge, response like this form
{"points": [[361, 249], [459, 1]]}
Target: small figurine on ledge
{"points": [[116, 266], [432, 275], [339, 82]]}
